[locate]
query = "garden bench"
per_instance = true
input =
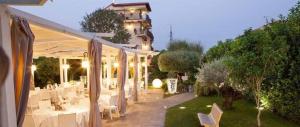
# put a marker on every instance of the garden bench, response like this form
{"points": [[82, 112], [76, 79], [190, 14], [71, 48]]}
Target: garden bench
{"points": [[212, 119]]}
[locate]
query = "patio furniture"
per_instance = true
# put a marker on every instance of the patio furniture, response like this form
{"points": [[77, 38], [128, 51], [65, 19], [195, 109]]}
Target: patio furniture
{"points": [[67, 120], [33, 103], [45, 104], [29, 121], [212, 119], [113, 107]]}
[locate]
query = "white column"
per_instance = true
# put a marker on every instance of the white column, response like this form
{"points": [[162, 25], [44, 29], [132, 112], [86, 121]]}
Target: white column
{"points": [[88, 76], [65, 71], [61, 71], [140, 67], [109, 64], [7, 97], [146, 73], [127, 71]]}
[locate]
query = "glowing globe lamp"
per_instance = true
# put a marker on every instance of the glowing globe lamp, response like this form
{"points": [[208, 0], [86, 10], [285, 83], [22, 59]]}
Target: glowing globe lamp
{"points": [[157, 83]]}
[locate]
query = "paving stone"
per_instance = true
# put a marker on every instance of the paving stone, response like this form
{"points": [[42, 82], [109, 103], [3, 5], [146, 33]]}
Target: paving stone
{"points": [[149, 111]]}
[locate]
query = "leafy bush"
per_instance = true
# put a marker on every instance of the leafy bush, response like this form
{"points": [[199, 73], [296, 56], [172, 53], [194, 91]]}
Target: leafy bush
{"points": [[106, 21], [282, 89], [178, 61], [183, 45], [164, 85], [154, 71], [47, 71], [204, 90], [217, 52]]}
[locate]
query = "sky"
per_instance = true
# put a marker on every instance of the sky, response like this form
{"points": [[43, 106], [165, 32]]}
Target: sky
{"points": [[204, 21]]}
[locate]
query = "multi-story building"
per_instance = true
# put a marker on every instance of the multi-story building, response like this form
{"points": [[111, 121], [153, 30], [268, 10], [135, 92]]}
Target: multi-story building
{"points": [[137, 22]]}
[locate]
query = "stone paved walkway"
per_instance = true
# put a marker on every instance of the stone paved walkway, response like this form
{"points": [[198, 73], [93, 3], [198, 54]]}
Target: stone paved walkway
{"points": [[149, 111]]}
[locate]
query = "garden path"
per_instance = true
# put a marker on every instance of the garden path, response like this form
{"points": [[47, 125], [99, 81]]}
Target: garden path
{"points": [[149, 111]]}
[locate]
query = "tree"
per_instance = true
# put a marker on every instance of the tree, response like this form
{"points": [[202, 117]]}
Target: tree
{"points": [[282, 91], [255, 55], [47, 71], [183, 45], [214, 75], [106, 21], [220, 50], [154, 71], [178, 61]]}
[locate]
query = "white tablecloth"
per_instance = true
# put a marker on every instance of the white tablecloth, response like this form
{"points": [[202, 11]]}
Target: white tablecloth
{"points": [[49, 118]]}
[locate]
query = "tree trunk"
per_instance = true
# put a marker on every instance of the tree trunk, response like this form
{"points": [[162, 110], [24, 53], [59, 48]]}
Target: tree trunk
{"points": [[258, 118]]}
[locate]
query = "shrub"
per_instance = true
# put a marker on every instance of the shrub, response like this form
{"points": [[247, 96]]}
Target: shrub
{"points": [[154, 71], [204, 90], [178, 61]]}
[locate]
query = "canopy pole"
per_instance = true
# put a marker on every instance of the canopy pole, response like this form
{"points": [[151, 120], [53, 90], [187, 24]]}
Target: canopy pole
{"points": [[65, 71], [7, 97], [108, 62], [127, 72], [140, 75], [61, 71], [146, 74]]}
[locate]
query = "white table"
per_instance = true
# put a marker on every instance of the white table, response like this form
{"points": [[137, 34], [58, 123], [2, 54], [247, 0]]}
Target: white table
{"points": [[49, 118]]}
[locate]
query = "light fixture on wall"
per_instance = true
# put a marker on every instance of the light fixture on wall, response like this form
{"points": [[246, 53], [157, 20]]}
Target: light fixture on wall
{"points": [[129, 26], [131, 64], [144, 64], [145, 47], [85, 62], [131, 10], [33, 68], [116, 64]]}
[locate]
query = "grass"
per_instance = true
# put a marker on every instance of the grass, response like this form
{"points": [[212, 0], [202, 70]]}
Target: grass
{"points": [[243, 115]]}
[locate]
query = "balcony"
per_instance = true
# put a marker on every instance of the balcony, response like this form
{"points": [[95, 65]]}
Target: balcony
{"points": [[145, 19], [144, 34]]}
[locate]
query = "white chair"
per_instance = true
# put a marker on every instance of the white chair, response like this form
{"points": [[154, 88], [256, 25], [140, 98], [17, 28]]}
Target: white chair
{"points": [[29, 121], [113, 107], [33, 103], [67, 120], [45, 94], [38, 89], [46, 104]]}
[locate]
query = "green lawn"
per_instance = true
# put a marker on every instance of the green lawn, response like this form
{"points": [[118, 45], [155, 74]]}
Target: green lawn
{"points": [[244, 115]]}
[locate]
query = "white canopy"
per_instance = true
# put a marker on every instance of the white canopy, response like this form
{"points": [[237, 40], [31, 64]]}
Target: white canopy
{"points": [[56, 40]]}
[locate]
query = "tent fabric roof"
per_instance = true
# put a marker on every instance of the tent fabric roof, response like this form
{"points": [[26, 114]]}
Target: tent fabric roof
{"points": [[55, 40]]}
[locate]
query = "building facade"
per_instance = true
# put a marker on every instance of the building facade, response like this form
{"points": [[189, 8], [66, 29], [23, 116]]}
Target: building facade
{"points": [[137, 22]]}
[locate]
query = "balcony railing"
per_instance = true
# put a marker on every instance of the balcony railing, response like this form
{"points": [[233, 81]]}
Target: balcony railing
{"points": [[144, 33]]}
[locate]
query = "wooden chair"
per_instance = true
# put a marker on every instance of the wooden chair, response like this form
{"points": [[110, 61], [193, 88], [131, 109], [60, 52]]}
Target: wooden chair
{"points": [[212, 119]]}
